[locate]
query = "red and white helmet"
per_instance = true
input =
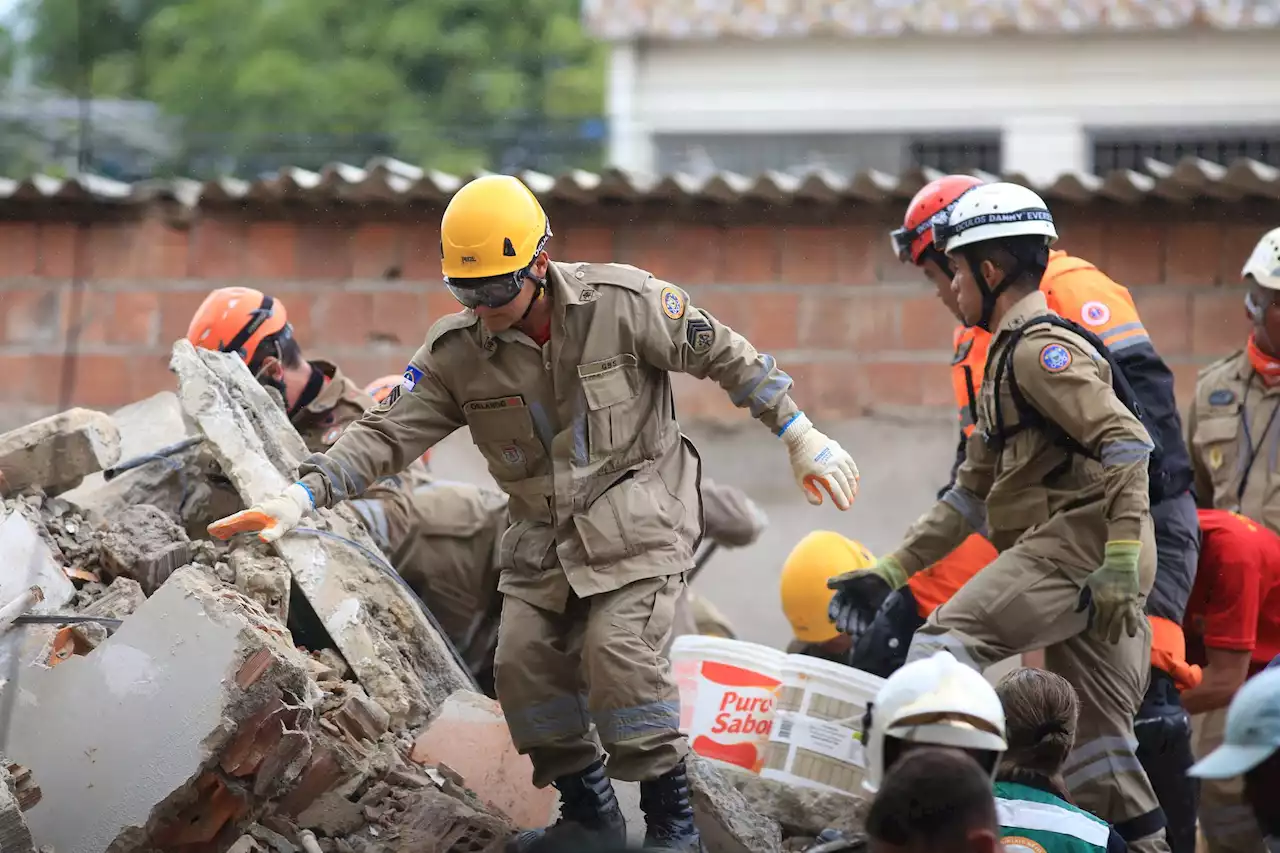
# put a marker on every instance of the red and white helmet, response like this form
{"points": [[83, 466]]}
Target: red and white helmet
{"points": [[937, 700], [1264, 263], [916, 234]]}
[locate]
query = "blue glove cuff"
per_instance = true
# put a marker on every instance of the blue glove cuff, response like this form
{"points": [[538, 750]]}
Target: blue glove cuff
{"points": [[789, 422], [310, 494]]}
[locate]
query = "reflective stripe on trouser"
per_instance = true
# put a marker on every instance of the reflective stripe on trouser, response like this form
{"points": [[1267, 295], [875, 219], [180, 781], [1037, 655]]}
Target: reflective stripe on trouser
{"points": [[600, 662], [1226, 821], [1023, 601]]}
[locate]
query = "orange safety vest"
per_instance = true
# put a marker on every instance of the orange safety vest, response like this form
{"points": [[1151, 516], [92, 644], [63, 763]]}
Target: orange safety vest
{"points": [[1077, 290]]}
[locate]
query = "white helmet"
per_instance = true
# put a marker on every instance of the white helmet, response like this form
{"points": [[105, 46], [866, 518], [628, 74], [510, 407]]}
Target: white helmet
{"points": [[991, 211], [1264, 263], [937, 700]]}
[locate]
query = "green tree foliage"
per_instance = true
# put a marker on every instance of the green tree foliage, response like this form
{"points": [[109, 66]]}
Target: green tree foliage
{"points": [[450, 84]]}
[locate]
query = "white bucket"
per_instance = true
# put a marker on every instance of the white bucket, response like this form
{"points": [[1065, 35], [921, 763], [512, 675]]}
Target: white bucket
{"points": [[728, 689], [815, 740]]}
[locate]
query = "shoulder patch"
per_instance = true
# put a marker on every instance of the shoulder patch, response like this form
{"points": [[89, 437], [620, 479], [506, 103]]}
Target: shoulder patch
{"points": [[699, 334], [1222, 397], [412, 376], [451, 323], [1014, 843], [962, 351], [618, 275], [1095, 313], [1055, 358], [672, 302], [332, 435]]}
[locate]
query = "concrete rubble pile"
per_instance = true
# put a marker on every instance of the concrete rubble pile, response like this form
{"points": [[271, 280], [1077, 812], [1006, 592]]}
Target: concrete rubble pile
{"points": [[161, 691]]}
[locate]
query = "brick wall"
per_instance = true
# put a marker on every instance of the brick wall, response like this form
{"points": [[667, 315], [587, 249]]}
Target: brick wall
{"points": [[815, 286]]}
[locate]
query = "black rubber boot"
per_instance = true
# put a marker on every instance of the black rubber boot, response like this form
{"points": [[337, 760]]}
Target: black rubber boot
{"points": [[589, 816], [668, 814]]}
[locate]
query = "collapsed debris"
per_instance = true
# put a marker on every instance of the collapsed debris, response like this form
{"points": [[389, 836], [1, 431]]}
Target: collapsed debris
{"points": [[58, 451], [15, 837], [725, 819]]}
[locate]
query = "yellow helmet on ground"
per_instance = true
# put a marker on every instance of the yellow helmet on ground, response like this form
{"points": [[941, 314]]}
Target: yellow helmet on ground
{"points": [[493, 226], [815, 559]]}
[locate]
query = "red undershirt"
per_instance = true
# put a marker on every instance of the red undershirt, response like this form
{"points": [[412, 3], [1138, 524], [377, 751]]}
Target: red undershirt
{"points": [[541, 336]]}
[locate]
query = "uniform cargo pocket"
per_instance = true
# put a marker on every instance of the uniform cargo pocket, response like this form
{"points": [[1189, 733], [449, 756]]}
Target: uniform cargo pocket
{"points": [[608, 386], [1017, 513], [523, 547], [1216, 446], [636, 515], [503, 432]]}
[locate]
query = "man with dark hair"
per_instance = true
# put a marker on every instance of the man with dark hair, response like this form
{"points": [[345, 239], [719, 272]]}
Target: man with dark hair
{"points": [[934, 800], [1056, 474]]}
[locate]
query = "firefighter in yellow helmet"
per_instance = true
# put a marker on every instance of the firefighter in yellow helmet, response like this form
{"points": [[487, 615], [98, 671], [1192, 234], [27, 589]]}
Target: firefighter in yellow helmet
{"points": [[818, 557], [561, 372]]}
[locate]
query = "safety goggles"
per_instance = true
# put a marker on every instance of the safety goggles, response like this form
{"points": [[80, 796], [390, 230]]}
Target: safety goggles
{"points": [[492, 292], [900, 239]]}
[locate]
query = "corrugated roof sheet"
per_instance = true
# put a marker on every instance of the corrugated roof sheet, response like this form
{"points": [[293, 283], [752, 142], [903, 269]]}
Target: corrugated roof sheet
{"points": [[394, 182], [704, 19]]}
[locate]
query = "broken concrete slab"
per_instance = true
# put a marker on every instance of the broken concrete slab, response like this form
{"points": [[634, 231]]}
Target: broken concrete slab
{"points": [[801, 811], [145, 544], [470, 735], [28, 562], [361, 717], [725, 819], [195, 674], [58, 451], [427, 819], [150, 424], [378, 625], [263, 577]]}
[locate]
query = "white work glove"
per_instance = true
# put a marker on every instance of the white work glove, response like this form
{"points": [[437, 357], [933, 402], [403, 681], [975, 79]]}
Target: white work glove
{"points": [[819, 461], [270, 519]]}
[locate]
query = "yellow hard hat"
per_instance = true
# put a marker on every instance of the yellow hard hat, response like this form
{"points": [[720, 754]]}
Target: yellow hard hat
{"points": [[492, 226], [817, 558]]}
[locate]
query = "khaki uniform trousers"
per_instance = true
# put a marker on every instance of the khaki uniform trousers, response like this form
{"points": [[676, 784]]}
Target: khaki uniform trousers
{"points": [[1226, 821], [599, 664], [1026, 599]]}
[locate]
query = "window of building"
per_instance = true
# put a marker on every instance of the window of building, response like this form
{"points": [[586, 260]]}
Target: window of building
{"points": [[957, 154], [1128, 150]]}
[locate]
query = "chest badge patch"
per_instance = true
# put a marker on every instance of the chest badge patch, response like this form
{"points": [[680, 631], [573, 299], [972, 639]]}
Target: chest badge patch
{"points": [[1222, 397], [1095, 313], [331, 436], [1055, 358], [1215, 458], [512, 455], [672, 303], [412, 376]]}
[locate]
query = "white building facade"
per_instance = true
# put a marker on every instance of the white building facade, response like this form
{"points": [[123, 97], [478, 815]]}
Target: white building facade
{"points": [[787, 85]]}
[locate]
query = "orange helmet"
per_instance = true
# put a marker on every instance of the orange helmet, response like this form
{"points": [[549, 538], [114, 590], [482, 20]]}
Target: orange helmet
{"points": [[238, 320], [380, 389], [916, 234]]}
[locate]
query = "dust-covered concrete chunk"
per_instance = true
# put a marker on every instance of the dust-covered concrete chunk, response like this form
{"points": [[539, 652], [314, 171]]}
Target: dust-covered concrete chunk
{"points": [[725, 819], [196, 686], [145, 544], [14, 835], [58, 451], [802, 811]]}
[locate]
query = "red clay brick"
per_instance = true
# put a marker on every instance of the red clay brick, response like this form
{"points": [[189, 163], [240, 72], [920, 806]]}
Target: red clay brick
{"points": [[88, 315], [19, 249], [111, 248], [1082, 240], [828, 387], [58, 244], [887, 383], [1238, 242], [584, 243], [218, 248], [861, 324], [926, 324], [865, 257], [400, 317], [101, 381], [1219, 324], [1167, 317], [749, 255], [1184, 384], [421, 252], [347, 318], [729, 306], [1193, 254], [376, 250], [135, 318], [45, 379], [271, 250], [324, 253], [150, 374], [811, 254], [17, 376], [683, 255], [776, 323], [160, 252], [177, 307], [31, 316], [1133, 253], [440, 303]]}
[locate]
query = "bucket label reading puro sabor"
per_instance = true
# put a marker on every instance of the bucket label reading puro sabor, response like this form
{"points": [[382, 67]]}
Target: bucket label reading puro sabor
{"points": [[727, 711]]}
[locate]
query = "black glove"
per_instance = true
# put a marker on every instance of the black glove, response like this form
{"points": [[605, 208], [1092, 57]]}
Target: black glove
{"points": [[858, 597]]}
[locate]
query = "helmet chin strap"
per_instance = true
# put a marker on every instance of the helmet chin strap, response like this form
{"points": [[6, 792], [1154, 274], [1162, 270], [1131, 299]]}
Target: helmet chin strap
{"points": [[991, 294], [539, 287]]}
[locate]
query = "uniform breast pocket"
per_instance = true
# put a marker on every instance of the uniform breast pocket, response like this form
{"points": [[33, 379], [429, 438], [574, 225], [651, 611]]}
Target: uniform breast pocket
{"points": [[1216, 445], [503, 432], [611, 387]]}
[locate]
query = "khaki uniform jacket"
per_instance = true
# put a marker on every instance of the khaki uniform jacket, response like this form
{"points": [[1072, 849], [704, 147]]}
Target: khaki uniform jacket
{"points": [[1235, 442], [580, 433], [1034, 479]]}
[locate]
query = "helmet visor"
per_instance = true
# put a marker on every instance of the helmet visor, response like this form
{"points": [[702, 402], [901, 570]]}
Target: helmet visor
{"points": [[493, 292]]}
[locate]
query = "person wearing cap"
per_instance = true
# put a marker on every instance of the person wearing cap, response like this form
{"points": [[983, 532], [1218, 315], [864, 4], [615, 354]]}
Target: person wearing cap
{"points": [[1076, 289], [1249, 756], [1056, 474], [562, 374]]}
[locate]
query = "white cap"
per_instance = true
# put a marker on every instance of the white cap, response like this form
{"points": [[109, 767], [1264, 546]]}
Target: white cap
{"points": [[1264, 263], [1253, 730]]}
